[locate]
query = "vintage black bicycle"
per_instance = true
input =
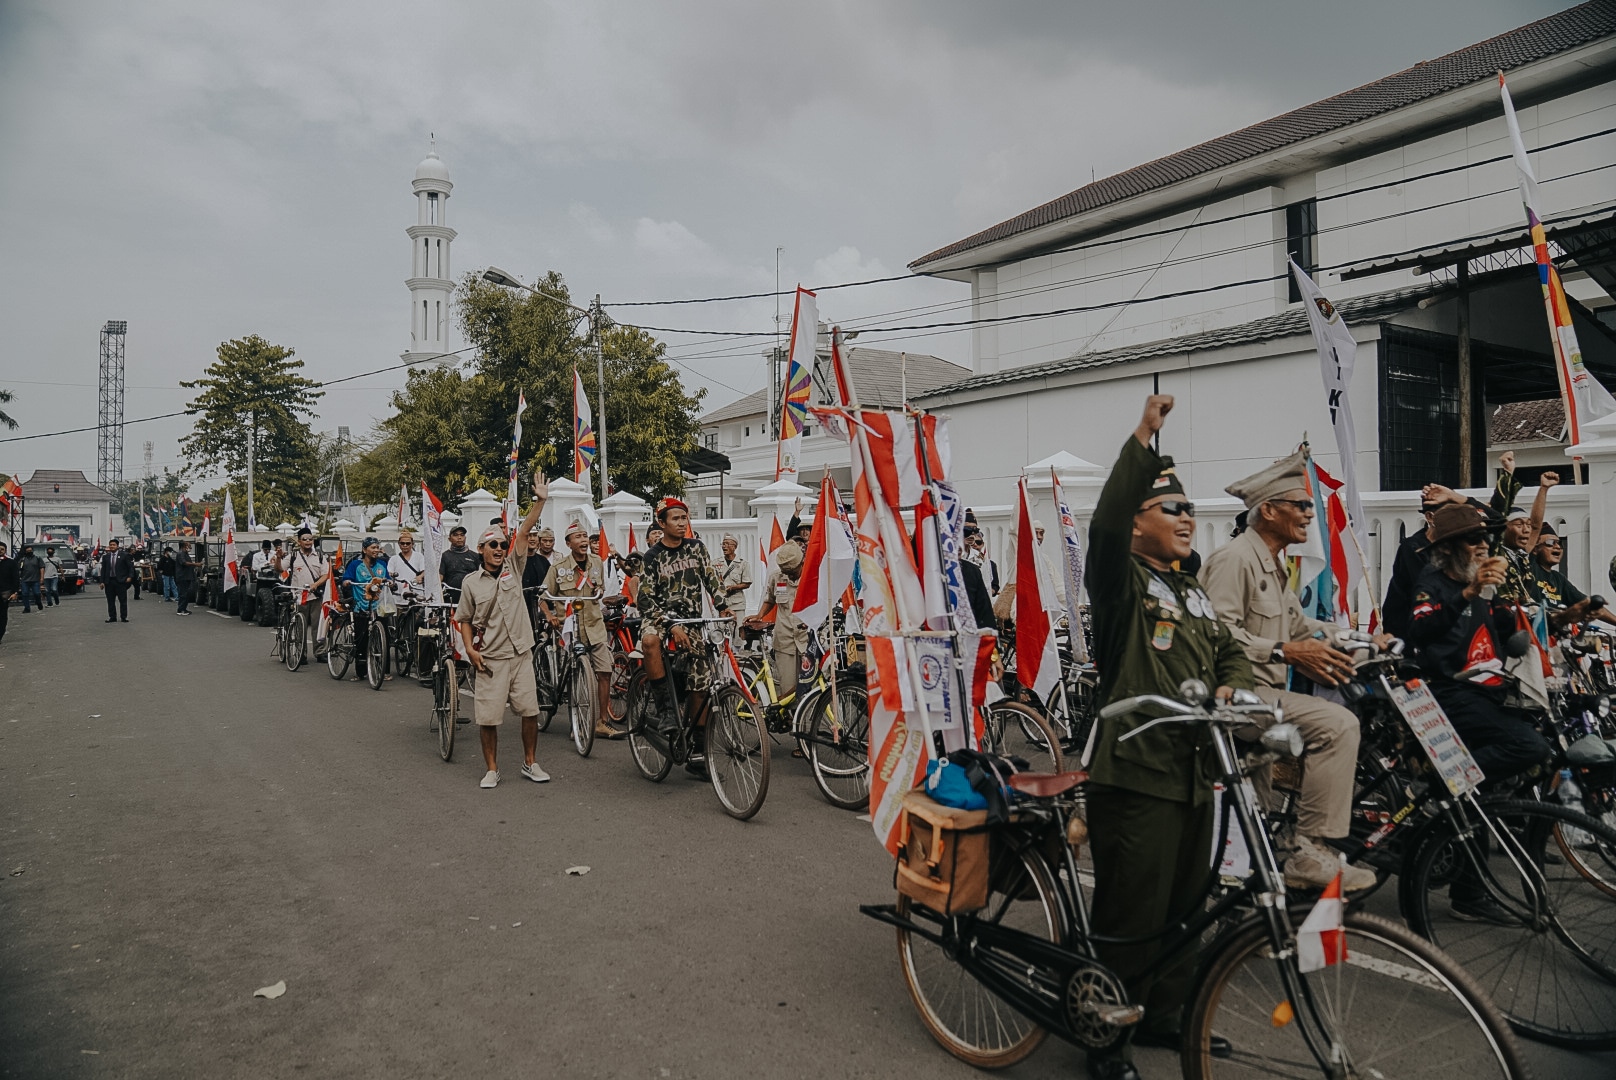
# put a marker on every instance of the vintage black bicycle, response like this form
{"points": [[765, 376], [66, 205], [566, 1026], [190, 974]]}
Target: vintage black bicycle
{"points": [[990, 984]]}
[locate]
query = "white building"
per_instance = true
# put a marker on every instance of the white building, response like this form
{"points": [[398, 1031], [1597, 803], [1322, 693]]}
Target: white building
{"points": [[61, 504], [431, 281], [1400, 196], [744, 430]]}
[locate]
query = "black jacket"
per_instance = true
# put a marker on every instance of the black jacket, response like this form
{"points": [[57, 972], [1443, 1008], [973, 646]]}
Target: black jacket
{"points": [[1452, 633], [116, 569], [10, 581], [981, 599]]}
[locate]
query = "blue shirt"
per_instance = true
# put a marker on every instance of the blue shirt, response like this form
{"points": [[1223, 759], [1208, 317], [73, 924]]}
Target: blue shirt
{"points": [[357, 575]]}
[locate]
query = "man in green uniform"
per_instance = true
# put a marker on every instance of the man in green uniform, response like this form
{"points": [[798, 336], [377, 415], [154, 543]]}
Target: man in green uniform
{"points": [[1565, 602], [1150, 798]]}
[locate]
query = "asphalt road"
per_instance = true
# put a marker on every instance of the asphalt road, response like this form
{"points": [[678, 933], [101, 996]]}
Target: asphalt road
{"points": [[182, 821]]}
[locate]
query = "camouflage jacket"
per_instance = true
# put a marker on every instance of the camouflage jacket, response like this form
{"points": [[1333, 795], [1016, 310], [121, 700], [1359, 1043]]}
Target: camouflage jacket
{"points": [[672, 581]]}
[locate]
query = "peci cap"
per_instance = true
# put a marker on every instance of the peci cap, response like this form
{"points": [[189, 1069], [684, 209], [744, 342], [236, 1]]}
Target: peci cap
{"points": [[1166, 481], [788, 556], [493, 532], [575, 527], [1287, 474]]}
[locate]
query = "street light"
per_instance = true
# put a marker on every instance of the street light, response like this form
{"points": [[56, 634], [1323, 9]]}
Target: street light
{"points": [[495, 276]]}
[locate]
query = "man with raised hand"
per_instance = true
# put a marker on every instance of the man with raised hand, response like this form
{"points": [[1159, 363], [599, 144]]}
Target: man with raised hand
{"points": [[1150, 798], [498, 635]]}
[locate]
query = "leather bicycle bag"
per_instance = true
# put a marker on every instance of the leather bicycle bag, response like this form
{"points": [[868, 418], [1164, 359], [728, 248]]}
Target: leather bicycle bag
{"points": [[943, 855]]}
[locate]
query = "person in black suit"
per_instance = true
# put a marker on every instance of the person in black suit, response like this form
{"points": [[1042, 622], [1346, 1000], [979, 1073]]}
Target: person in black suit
{"points": [[117, 572]]}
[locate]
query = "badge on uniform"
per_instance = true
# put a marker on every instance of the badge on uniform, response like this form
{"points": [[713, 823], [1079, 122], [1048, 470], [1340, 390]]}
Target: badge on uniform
{"points": [[1163, 638], [1199, 603]]}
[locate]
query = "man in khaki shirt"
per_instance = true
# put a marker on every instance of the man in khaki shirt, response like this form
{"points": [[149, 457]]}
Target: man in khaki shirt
{"points": [[580, 574], [498, 637], [1248, 584]]}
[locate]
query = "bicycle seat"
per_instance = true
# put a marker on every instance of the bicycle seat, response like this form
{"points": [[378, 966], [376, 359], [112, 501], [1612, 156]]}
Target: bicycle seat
{"points": [[1047, 785]]}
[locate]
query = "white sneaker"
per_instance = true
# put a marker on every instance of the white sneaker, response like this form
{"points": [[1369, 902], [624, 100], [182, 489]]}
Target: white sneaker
{"points": [[535, 774], [490, 779]]}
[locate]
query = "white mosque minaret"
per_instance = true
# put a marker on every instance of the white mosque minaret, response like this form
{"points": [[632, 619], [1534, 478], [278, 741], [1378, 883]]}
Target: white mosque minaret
{"points": [[430, 284]]}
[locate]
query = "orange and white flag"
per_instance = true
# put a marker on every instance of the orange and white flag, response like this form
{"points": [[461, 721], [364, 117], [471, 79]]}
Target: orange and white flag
{"points": [[1320, 940]]}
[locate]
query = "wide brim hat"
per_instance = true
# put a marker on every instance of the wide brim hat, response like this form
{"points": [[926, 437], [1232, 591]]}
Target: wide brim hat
{"points": [[1456, 520]]}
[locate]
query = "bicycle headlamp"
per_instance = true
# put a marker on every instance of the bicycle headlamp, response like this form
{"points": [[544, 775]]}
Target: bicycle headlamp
{"points": [[1192, 692], [1283, 739], [1603, 706]]}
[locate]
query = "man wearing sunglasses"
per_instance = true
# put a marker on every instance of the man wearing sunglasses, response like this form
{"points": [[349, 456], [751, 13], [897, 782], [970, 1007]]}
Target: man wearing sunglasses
{"points": [[498, 635], [1150, 798], [1565, 602], [1248, 580]]}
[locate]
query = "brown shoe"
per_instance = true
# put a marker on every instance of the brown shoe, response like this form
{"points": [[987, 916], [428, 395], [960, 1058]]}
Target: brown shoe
{"points": [[604, 731]]}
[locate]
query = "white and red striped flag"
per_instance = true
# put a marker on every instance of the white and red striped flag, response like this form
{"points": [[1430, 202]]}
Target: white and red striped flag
{"points": [[206, 522], [827, 568], [332, 592], [1037, 660], [432, 527], [1321, 939], [231, 574]]}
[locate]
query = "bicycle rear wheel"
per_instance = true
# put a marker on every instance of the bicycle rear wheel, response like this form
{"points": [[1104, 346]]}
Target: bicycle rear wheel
{"points": [[404, 641], [376, 654], [338, 649], [546, 684], [737, 753], [966, 1018], [622, 675], [581, 706], [1397, 1006], [652, 762], [292, 644], [1593, 858], [445, 706], [1013, 729], [1553, 972], [839, 746]]}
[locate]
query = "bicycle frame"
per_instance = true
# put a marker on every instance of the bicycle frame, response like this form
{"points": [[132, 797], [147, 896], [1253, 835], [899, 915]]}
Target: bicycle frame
{"points": [[976, 946]]}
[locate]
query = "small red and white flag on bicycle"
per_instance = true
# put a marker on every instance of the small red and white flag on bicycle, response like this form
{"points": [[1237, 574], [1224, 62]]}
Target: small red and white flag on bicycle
{"points": [[1320, 940], [332, 594], [827, 568], [432, 527]]}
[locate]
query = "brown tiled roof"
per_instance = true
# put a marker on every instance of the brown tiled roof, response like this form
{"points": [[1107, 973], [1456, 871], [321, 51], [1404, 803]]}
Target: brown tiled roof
{"points": [[1527, 44], [878, 375], [73, 483], [1373, 308], [1526, 421]]}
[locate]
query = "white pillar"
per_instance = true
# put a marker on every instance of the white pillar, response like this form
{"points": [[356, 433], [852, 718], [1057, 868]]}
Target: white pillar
{"points": [[476, 510], [618, 512], [777, 502], [569, 502]]}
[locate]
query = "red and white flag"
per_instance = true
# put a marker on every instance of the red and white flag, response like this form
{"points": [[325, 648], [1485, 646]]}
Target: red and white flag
{"points": [[1037, 660], [332, 592], [432, 540], [205, 523], [1320, 940], [776, 538], [827, 568], [633, 544], [231, 572]]}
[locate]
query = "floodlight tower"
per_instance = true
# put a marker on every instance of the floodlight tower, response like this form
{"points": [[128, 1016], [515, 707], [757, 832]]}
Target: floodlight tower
{"points": [[109, 431]]}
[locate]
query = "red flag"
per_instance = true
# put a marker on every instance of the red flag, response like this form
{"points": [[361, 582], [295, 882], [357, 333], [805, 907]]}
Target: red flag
{"points": [[633, 544], [1037, 661], [827, 568], [776, 538]]}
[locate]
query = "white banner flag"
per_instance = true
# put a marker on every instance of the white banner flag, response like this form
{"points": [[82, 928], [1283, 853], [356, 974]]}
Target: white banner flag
{"points": [[1338, 354], [230, 575], [432, 526]]}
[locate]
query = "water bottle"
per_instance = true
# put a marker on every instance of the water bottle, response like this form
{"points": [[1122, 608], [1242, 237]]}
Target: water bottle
{"points": [[1570, 794]]}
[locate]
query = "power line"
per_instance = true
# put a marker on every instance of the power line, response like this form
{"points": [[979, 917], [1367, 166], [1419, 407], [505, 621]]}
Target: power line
{"points": [[1109, 241]]}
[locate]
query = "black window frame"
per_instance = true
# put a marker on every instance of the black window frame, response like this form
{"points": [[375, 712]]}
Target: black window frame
{"points": [[1301, 241]]}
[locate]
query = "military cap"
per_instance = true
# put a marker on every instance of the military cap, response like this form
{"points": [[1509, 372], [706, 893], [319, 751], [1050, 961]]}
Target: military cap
{"points": [[1166, 481], [1286, 474]]}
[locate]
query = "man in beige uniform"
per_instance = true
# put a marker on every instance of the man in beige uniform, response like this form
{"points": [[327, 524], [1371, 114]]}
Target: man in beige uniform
{"points": [[790, 632], [580, 574], [498, 636], [736, 574], [1247, 582]]}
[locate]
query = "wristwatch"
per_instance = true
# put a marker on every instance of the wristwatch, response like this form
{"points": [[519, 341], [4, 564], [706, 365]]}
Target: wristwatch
{"points": [[1277, 656]]}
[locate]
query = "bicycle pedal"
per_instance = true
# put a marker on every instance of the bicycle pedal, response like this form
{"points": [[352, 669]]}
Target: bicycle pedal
{"points": [[1114, 1015]]}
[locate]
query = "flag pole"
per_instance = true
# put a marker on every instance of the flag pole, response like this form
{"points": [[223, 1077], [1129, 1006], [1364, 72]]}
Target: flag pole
{"points": [[953, 617]]}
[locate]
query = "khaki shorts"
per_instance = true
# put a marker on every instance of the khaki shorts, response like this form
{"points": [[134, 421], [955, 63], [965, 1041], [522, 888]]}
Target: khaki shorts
{"points": [[599, 656], [510, 679]]}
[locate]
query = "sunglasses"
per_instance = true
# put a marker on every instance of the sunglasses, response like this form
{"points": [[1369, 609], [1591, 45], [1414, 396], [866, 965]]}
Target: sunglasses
{"points": [[1176, 508], [497, 545], [1300, 505]]}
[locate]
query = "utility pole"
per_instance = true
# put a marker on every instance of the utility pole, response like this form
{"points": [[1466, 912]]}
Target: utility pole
{"points": [[140, 526], [774, 359], [252, 446], [596, 318]]}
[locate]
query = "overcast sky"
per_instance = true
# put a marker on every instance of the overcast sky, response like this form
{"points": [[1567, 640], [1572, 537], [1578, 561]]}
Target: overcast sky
{"points": [[208, 170]]}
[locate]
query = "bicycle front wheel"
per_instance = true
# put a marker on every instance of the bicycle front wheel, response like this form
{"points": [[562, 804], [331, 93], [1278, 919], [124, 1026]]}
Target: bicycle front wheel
{"points": [[292, 644], [1396, 1006], [404, 641], [445, 706], [966, 1018], [622, 675], [1549, 962], [338, 650], [737, 753], [376, 654], [1015, 730], [839, 746], [581, 706]]}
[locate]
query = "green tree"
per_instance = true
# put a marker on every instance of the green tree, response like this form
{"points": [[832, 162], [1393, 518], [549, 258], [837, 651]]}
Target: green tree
{"points": [[5, 418], [254, 395], [429, 438], [160, 491]]}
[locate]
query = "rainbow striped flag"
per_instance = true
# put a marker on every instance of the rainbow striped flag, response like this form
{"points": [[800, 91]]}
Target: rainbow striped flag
{"points": [[1585, 399]]}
